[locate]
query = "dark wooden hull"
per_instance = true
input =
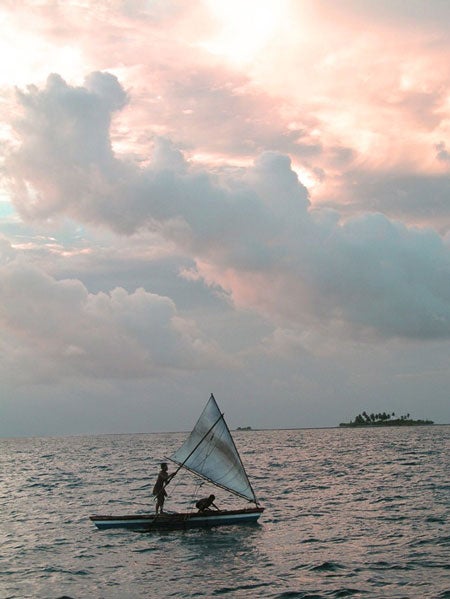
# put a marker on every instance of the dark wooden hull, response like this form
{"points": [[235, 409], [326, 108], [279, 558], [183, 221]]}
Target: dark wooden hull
{"points": [[178, 521]]}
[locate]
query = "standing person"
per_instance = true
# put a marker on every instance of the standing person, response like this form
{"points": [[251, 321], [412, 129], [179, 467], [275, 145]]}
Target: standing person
{"points": [[159, 490]]}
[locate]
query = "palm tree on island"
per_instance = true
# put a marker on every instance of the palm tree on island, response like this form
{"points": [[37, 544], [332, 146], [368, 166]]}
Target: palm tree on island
{"points": [[384, 419]]}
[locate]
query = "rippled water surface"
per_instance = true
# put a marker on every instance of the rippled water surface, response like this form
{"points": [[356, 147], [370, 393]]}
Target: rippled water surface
{"points": [[349, 513]]}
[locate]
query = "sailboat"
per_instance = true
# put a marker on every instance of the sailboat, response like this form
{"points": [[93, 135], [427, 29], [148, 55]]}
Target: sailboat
{"points": [[210, 453]]}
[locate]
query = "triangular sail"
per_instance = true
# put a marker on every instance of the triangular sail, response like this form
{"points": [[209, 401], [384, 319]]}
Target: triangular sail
{"points": [[210, 452]]}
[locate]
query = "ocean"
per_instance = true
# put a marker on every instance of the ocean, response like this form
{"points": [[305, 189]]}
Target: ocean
{"points": [[349, 513]]}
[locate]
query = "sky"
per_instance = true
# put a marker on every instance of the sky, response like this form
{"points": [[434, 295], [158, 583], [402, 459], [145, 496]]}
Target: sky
{"points": [[247, 198]]}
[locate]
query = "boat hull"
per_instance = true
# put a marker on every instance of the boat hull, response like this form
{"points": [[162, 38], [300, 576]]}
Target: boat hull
{"points": [[178, 521]]}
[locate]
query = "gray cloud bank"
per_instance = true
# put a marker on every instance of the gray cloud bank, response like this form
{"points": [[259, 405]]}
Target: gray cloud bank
{"points": [[116, 335], [250, 231]]}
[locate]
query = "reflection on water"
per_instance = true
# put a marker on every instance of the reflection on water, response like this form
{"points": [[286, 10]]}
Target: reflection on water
{"points": [[349, 512]]}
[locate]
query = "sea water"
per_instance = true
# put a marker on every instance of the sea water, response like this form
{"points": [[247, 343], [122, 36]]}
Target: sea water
{"points": [[349, 513]]}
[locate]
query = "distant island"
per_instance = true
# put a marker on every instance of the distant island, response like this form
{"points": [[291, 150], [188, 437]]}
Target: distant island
{"points": [[244, 428], [384, 419]]}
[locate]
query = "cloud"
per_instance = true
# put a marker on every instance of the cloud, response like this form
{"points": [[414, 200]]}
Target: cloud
{"points": [[442, 152], [53, 329], [251, 230], [391, 11], [418, 198], [191, 103], [65, 133]]}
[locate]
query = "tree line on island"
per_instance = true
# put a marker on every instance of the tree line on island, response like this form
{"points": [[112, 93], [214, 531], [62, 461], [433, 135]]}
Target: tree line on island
{"points": [[384, 419]]}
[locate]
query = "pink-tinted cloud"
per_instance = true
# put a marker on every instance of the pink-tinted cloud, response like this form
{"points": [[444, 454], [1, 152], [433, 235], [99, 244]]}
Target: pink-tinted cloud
{"points": [[350, 92], [251, 231]]}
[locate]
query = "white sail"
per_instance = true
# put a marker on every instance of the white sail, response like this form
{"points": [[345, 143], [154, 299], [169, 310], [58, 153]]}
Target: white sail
{"points": [[210, 452]]}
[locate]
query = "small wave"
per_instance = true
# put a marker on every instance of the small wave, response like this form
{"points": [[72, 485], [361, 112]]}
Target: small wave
{"points": [[389, 499], [55, 570], [299, 567], [272, 465], [145, 550], [242, 587], [393, 518], [439, 519], [383, 565], [347, 592], [41, 486], [299, 595], [327, 567], [442, 541]]}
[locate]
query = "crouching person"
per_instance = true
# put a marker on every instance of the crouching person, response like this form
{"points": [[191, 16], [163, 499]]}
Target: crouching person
{"points": [[205, 504]]}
